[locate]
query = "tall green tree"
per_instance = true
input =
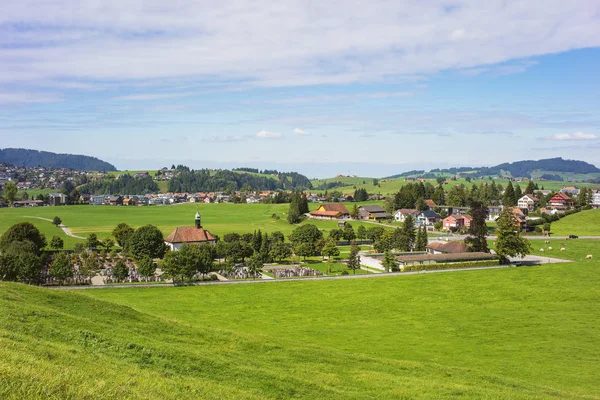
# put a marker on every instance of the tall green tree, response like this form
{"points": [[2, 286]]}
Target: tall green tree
{"points": [[385, 242], [477, 239], [10, 192], [421, 242], [60, 269], [330, 249], [120, 271], [408, 229], [354, 213], [509, 199], [23, 231], [146, 241], [57, 243], [361, 232], [518, 193], [354, 258], [121, 233], [530, 188], [509, 242], [280, 251], [389, 262], [254, 265], [349, 233], [146, 267], [92, 241], [57, 221]]}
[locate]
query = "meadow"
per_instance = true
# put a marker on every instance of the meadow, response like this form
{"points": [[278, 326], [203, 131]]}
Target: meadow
{"points": [[218, 218], [529, 332], [585, 223], [391, 186]]}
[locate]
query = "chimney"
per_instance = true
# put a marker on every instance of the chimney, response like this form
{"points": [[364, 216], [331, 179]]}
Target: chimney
{"points": [[198, 225]]}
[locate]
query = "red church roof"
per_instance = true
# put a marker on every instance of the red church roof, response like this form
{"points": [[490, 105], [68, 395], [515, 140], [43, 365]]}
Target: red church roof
{"points": [[189, 234]]}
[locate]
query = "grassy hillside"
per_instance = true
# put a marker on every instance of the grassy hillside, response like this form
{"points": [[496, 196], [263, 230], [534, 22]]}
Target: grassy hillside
{"points": [[517, 333], [217, 218], [531, 326], [584, 223], [391, 186]]}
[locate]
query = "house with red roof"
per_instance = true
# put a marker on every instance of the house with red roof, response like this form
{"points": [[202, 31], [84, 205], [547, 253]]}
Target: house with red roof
{"points": [[560, 199], [189, 235], [453, 222]]}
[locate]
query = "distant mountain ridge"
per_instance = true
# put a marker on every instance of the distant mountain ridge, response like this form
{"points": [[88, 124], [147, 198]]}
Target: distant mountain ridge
{"points": [[522, 169], [46, 159]]}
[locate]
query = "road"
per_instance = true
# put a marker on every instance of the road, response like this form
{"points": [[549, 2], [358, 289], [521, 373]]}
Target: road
{"points": [[66, 230]]}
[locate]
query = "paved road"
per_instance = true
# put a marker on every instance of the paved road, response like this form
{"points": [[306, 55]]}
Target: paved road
{"points": [[66, 230]]}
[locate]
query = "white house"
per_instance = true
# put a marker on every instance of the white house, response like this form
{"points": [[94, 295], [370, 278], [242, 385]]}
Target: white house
{"points": [[528, 202], [401, 214], [596, 199]]}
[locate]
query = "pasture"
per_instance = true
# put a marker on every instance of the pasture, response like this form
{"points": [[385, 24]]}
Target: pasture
{"points": [[530, 331], [585, 223], [217, 218], [575, 249], [391, 186]]}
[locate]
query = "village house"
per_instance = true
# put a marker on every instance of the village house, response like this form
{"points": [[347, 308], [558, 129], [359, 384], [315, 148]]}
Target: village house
{"points": [[376, 213], [520, 218], [428, 218], [401, 214], [467, 220], [560, 200], [596, 198], [98, 199], [27, 203], [57, 199], [570, 189], [189, 235], [528, 203], [129, 201], [431, 204], [453, 222], [114, 200], [330, 211]]}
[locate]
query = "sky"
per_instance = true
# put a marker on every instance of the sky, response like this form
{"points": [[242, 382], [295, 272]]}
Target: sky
{"points": [[369, 88]]}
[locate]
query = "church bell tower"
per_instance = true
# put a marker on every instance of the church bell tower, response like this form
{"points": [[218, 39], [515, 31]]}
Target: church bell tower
{"points": [[198, 224]]}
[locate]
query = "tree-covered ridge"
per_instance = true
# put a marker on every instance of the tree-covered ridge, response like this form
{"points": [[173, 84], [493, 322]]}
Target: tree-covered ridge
{"points": [[522, 169], [207, 181], [46, 159], [126, 184]]}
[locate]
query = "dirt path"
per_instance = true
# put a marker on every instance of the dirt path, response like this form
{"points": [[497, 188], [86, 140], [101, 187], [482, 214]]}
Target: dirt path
{"points": [[66, 230]]}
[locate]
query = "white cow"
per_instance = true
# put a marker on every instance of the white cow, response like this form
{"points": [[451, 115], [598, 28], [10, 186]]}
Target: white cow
{"points": [[541, 250], [563, 249], [549, 248], [588, 257]]}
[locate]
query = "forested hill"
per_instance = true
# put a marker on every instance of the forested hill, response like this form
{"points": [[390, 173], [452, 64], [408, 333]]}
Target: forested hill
{"points": [[46, 159], [205, 181], [521, 169]]}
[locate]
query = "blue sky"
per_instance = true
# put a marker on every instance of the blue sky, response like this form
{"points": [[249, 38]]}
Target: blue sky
{"points": [[301, 85]]}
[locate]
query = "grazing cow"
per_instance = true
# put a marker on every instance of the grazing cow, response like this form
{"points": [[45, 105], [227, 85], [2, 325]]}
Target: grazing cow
{"points": [[547, 242], [588, 257], [541, 250], [562, 249], [549, 248], [564, 244]]}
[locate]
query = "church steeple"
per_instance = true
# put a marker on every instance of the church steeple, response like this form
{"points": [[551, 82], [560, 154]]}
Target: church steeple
{"points": [[198, 224]]}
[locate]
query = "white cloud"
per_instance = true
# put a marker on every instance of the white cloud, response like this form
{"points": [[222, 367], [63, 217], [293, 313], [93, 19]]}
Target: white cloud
{"points": [[301, 132], [573, 136], [316, 43], [268, 135], [28, 98]]}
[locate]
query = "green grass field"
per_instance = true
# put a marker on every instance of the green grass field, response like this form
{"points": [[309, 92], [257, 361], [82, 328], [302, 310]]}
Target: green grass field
{"points": [[575, 250], [217, 218], [585, 223], [391, 186], [518, 333]]}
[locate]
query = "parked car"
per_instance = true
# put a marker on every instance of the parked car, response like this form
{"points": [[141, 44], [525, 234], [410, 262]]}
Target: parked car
{"points": [[573, 237]]}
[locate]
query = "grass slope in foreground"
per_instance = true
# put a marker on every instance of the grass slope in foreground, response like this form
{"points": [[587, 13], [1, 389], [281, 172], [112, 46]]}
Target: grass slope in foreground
{"points": [[60, 344], [530, 326]]}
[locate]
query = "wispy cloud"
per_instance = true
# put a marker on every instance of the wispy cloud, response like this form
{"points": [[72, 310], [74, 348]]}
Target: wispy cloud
{"points": [[573, 136], [380, 44], [269, 135], [301, 132], [228, 138], [29, 98]]}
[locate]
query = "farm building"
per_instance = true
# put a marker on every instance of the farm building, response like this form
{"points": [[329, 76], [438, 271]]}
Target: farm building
{"points": [[376, 213], [446, 248], [401, 214], [190, 235], [330, 211]]}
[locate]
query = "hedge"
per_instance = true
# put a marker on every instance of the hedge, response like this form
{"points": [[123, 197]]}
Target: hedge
{"points": [[466, 264]]}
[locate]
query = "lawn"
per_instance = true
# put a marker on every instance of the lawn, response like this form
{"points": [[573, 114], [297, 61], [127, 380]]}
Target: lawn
{"points": [[576, 249], [529, 333], [584, 223], [217, 218], [536, 327]]}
